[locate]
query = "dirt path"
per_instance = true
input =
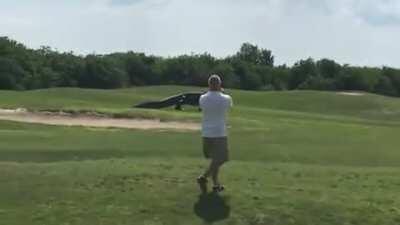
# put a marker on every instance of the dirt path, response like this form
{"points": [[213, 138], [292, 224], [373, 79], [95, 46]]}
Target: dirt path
{"points": [[21, 115]]}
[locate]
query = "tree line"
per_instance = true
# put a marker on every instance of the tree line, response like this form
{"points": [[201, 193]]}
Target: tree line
{"points": [[251, 68]]}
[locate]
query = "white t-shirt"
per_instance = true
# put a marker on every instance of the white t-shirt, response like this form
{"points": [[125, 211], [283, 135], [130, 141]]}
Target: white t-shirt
{"points": [[215, 106]]}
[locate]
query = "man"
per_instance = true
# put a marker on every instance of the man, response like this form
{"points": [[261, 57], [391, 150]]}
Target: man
{"points": [[214, 105]]}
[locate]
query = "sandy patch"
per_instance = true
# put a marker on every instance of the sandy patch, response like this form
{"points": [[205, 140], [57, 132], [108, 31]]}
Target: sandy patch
{"points": [[351, 93], [63, 119]]}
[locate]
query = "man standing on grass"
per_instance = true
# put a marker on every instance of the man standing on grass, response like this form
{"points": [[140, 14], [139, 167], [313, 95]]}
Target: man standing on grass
{"points": [[215, 106]]}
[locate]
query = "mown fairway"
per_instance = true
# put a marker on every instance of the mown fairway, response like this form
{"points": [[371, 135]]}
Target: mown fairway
{"points": [[297, 158]]}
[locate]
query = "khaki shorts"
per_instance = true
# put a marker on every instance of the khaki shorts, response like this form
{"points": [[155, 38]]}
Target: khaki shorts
{"points": [[216, 149]]}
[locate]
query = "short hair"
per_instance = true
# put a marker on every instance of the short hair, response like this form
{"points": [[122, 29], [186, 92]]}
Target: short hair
{"points": [[214, 80]]}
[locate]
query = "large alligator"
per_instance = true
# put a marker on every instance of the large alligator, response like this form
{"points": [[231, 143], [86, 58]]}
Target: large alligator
{"points": [[190, 98]]}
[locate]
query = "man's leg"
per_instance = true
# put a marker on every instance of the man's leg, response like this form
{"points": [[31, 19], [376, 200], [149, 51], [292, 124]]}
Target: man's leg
{"points": [[202, 179], [214, 174], [219, 157], [212, 170]]}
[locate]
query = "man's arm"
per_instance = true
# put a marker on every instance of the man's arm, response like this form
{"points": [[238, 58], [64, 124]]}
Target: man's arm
{"points": [[201, 100], [230, 101]]}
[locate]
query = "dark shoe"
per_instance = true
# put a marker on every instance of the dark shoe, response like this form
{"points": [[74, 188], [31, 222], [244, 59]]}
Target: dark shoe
{"points": [[218, 188], [202, 181]]}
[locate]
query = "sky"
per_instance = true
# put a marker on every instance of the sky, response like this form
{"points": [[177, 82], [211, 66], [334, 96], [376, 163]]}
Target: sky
{"points": [[357, 32]]}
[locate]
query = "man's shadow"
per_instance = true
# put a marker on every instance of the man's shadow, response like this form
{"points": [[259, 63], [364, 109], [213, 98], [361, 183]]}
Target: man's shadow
{"points": [[211, 207]]}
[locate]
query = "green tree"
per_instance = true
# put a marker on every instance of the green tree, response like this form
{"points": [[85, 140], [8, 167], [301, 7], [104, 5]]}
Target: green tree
{"points": [[250, 68], [227, 73], [252, 54], [249, 78], [280, 77], [358, 78], [385, 86], [139, 72], [101, 73], [301, 72], [266, 58], [11, 74], [394, 76], [328, 68]]}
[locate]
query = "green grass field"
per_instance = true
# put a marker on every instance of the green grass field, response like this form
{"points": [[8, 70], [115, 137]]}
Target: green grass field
{"points": [[300, 157]]}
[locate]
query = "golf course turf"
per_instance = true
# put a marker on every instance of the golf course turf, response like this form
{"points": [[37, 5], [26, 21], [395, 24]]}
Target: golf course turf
{"points": [[297, 157]]}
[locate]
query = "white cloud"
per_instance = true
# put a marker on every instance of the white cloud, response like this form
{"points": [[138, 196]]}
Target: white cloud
{"points": [[362, 32]]}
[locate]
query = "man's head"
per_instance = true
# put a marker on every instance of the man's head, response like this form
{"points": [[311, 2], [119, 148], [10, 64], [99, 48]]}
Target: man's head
{"points": [[214, 83]]}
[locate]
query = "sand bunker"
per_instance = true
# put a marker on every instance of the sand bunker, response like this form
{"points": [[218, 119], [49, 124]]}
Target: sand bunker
{"points": [[351, 93], [64, 119]]}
